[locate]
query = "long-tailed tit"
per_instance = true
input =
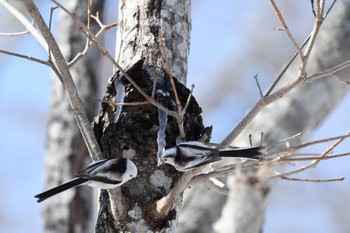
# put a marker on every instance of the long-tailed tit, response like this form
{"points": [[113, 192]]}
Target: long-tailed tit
{"points": [[105, 174], [188, 155]]}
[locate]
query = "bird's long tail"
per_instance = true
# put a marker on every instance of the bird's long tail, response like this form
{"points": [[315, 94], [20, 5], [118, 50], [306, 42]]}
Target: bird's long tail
{"points": [[51, 192], [248, 153]]}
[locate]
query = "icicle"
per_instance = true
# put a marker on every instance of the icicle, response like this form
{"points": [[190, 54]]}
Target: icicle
{"points": [[119, 98], [163, 121]]}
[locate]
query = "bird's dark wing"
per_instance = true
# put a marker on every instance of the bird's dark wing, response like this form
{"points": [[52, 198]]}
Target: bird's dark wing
{"points": [[91, 168], [204, 161], [191, 146], [108, 171]]}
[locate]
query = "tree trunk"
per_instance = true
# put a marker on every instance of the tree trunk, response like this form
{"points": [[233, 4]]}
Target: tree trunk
{"points": [[302, 110], [73, 210], [132, 208]]}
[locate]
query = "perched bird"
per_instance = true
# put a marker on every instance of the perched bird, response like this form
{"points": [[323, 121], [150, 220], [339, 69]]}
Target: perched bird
{"points": [[105, 174], [192, 154]]}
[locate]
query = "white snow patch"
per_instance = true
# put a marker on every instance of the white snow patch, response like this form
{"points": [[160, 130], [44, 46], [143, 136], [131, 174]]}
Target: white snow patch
{"points": [[159, 179], [135, 213], [129, 154]]}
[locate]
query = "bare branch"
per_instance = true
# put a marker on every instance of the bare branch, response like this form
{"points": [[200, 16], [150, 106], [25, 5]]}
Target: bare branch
{"points": [[288, 159], [314, 162], [258, 85], [26, 23], [330, 8], [300, 79], [188, 100], [264, 101], [15, 33], [89, 14], [88, 44], [285, 68], [312, 180], [341, 80], [105, 53], [75, 101], [30, 58], [338, 138], [165, 204], [313, 36], [330, 72], [177, 100], [286, 30]]}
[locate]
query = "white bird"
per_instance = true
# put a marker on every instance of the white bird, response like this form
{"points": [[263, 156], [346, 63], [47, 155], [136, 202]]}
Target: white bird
{"points": [[192, 154], [104, 174]]}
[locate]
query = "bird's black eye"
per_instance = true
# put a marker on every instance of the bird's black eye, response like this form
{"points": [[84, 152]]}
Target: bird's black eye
{"points": [[165, 160]]}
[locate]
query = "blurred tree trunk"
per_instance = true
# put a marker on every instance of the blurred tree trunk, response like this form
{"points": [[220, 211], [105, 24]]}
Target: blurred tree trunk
{"points": [[73, 210], [302, 110], [132, 208]]}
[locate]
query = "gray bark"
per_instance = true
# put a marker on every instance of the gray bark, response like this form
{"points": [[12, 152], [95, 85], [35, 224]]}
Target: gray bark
{"points": [[132, 208], [73, 210], [302, 110]]}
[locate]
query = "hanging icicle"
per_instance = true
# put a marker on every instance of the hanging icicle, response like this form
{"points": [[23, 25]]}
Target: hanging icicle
{"points": [[119, 98]]}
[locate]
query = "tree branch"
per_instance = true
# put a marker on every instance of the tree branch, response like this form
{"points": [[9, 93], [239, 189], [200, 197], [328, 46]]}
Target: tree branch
{"points": [[75, 101], [26, 23]]}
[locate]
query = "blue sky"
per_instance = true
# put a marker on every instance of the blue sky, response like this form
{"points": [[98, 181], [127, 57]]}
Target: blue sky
{"points": [[217, 39]]}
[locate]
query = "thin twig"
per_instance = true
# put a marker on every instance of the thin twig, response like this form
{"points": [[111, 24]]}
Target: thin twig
{"points": [[15, 33], [330, 71], [286, 30], [114, 104], [89, 15], [330, 8], [188, 100], [288, 159], [105, 53], [26, 23], [313, 7], [313, 35], [228, 169], [314, 162], [258, 85], [178, 104], [266, 100], [179, 118], [286, 68], [312, 180], [88, 43], [75, 101], [338, 138], [341, 80], [30, 58], [49, 58], [155, 58]]}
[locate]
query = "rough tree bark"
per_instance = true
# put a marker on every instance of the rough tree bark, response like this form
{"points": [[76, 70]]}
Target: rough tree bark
{"points": [[300, 111], [132, 207], [71, 211]]}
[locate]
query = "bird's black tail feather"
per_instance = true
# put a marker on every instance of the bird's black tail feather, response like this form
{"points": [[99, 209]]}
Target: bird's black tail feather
{"points": [[248, 153], [51, 192]]}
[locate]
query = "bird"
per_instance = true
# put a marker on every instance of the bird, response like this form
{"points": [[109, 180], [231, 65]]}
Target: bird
{"points": [[188, 155], [104, 174]]}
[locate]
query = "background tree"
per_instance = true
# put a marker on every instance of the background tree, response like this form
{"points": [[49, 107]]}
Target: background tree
{"points": [[74, 211], [296, 112]]}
